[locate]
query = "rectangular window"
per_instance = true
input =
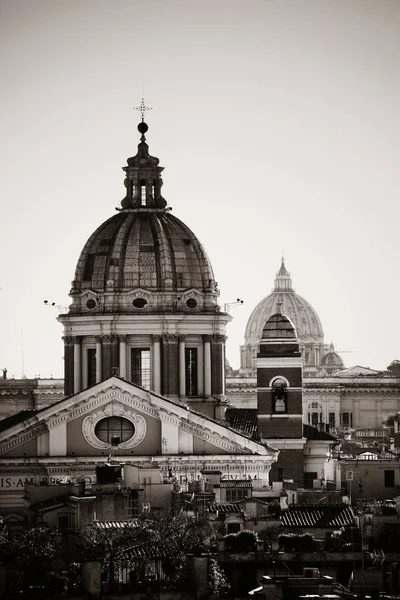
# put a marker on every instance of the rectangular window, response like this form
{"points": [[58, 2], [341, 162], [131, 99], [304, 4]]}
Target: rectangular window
{"points": [[389, 477], [89, 268], [332, 421], [235, 494], [91, 366], [142, 192], [347, 420], [140, 367], [314, 419], [309, 480], [63, 521], [191, 371]]}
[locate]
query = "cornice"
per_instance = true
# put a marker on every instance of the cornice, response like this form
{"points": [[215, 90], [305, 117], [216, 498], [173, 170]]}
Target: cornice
{"points": [[22, 438]]}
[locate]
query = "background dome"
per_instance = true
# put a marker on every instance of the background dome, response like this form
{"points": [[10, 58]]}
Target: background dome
{"points": [[332, 360], [152, 250], [278, 326], [304, 317]]}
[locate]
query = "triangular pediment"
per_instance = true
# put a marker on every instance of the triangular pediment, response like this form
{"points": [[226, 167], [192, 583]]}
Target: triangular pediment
{"points": [[116, 396]]}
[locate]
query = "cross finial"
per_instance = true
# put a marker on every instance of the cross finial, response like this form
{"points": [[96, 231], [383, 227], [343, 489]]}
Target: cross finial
{"points": [[142, 107]]}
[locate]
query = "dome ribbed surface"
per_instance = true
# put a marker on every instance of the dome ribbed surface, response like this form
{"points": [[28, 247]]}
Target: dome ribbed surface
{"points": [[147, 249], [278, 326], [332, 359], [284, 299], [303, 315]]}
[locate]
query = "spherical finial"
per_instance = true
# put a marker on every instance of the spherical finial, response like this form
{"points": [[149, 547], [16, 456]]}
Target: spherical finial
{"points": [[142, 127]]}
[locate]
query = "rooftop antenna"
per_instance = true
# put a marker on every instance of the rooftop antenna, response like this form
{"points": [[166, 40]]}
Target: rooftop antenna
{"points": [[61, 308], [228, 305]]}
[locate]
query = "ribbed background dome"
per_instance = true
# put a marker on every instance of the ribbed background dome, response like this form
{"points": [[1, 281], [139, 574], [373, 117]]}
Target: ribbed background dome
{"points": [[332, 359], [305, 319], [149, 249]]}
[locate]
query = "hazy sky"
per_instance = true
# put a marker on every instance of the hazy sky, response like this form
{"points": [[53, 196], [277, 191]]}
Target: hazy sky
{"points": [[277, 122]]}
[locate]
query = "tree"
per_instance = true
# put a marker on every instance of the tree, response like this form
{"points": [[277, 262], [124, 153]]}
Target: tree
{"points": [[169, 540], [32, 548], [394, 368], [217, 581]]}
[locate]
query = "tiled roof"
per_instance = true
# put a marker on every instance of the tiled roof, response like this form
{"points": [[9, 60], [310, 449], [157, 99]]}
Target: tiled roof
{"points": [[225, 507], [236, 483], [358, 371], [15, 419], [112, 525], [313, 433], [318, 516], [150, 551], [242, 419], [245, 420]]}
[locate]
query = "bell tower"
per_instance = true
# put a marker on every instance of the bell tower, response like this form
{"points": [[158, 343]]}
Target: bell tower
{"points": [[279, 396]]}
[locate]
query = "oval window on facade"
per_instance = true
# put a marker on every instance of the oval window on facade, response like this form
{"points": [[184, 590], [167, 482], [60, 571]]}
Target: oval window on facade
{"points": [[114, 430], [191, 303], [91, 304], [139, 302]]}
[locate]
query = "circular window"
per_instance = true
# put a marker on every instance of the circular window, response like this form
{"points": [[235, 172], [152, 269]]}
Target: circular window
{"points": [[139, 302], [114, 430], [91, 304], [191, 303]]}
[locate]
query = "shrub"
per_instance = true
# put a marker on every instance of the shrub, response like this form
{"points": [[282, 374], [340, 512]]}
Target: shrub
{"points": [[243, 541], [295, 542]]}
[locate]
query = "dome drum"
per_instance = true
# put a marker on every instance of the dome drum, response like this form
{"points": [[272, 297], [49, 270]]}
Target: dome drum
{"points": [[142, 301]]}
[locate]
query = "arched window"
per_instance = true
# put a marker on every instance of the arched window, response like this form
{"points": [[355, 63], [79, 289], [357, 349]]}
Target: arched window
{"points": [[142, 192], [279, 395]]}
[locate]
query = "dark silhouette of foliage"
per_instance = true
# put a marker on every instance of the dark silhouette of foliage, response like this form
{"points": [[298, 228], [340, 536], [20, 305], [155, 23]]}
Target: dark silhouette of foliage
{"points": [[394, 368], [243, 541], [295, 542]]}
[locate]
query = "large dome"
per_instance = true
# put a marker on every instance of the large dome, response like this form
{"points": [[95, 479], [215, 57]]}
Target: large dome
{"points": [[152, 250], [303, 315], [305, 319], [143, 256]]}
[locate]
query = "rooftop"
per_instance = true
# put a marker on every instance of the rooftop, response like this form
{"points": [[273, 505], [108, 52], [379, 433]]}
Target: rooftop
{"points": [[338, 515]]}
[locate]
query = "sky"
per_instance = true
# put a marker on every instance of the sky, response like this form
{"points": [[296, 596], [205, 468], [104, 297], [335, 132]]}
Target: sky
{"points": [[277, 122]]}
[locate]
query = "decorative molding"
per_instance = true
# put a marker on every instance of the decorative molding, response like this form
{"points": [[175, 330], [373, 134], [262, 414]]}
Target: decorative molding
{"points": [[182, 338], [170, 338], [68, 340], [114, 409], [22, 438], [131, 296], [99, 399], [284, 379], [109, 339], [156, 338], [219, 339], [207, 338]]}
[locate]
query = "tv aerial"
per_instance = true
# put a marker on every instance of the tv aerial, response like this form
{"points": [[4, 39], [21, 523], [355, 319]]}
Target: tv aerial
{"points": [[228, 305]]}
